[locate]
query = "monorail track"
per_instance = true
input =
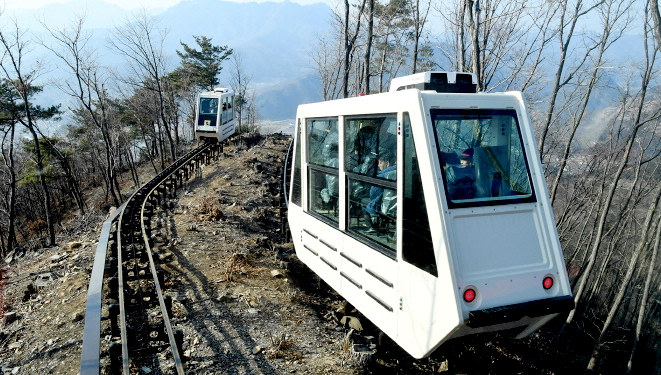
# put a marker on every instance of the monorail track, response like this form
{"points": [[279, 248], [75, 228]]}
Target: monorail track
{"points": [[142, 334]]}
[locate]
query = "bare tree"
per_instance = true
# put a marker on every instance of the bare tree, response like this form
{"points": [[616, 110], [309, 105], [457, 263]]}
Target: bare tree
{"points": [[349, 42], [615, 20], [637, 123], [392, 37], [419, 13], [654, 10], [566, 29], [368, 46], [507, 40], [9, 161], [240, 81], [140, 41], [15, 47], [624, 282], [88, 88], [325, 54], [645, 296]]}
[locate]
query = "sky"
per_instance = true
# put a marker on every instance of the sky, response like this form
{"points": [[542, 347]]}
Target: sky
{"points": [[126, 4]]}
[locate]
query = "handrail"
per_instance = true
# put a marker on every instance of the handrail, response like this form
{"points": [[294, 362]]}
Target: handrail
{"points": [[284, 172], [90, 362]]}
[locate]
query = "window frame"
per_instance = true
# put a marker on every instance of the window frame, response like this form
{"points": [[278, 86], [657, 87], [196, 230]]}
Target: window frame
{"points": [[409, 252], [335, 171], [507, 200], [374, 181]]}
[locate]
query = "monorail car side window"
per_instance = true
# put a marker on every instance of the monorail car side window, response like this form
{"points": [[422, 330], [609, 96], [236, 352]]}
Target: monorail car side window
{"points": [[230, 105], [208, 111], [296, 185], [417, 246], [482, 157], [323, 168], [224, 110], [371, 169]]}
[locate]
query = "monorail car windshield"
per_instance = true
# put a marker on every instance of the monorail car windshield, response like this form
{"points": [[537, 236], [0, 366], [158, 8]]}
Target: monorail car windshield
{"points": [[428, 211], [215, 114], [481, 147]]}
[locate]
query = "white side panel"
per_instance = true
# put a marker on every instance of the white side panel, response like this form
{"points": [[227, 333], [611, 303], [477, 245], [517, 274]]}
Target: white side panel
{"points": [[376, 274], [326, 263], [364, 277]]}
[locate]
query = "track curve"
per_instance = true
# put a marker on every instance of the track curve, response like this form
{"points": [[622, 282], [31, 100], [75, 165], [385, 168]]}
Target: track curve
{"points": [[141, 316]]}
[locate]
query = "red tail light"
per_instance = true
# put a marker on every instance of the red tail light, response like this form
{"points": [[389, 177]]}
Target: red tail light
{"points": [[469, 295], [548, 282]]}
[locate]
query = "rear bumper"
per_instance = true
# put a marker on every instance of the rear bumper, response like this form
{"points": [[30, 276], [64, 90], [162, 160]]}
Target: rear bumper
{"points": [[512, 313]]}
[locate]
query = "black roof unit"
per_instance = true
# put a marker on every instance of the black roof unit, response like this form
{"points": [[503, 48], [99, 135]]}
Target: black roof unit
{"points": [[454, 82]]}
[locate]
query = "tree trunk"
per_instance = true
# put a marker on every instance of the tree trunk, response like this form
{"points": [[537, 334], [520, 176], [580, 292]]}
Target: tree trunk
{"points": [[349, 44], [9, 162], [473, 11], [624, 283], [461, 36], [643, 300], [611, 191], [347, 52], [45, 191], [382, 63], [416, 35], [654, 9], [368, 46]]}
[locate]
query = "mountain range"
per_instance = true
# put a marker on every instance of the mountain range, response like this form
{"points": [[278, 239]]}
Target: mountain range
{"points": [[272, 37]]}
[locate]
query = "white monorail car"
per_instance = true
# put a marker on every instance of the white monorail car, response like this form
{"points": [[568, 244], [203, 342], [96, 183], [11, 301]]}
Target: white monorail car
{"points": [[215, 114], [426, 208]]}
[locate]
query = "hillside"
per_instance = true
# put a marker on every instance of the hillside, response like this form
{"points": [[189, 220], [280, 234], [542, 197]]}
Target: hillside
{"points": [[243, 300]]}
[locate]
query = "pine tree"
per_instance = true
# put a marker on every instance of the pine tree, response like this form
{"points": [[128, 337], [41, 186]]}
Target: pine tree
{"points": [[203, 65]]}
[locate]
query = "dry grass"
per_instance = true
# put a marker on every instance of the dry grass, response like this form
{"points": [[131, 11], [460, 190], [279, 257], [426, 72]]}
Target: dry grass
{"points": [[282, 346], [237, 265], [207, 209]]}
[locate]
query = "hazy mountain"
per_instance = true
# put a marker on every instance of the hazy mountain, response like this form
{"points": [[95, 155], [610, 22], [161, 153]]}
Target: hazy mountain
{"points": [[272, 37], [279, 101]]}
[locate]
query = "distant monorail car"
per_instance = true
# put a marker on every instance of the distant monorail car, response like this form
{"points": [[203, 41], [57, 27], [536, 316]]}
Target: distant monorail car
{"points": [[215, 114], [427, 209]]}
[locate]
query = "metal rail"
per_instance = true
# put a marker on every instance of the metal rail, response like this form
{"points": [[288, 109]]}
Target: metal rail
{"points": [[284, 191], [137, 285], [285, 168]]}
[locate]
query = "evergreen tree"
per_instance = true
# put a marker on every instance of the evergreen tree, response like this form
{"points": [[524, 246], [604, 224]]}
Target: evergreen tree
{"points": [[202, 66]]}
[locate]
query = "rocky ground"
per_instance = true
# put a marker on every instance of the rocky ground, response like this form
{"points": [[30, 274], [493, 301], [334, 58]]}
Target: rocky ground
{"points": [[244, 302]]}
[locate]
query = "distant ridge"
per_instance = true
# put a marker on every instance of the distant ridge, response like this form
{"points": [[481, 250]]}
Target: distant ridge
{"points": [[273, 37]]}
